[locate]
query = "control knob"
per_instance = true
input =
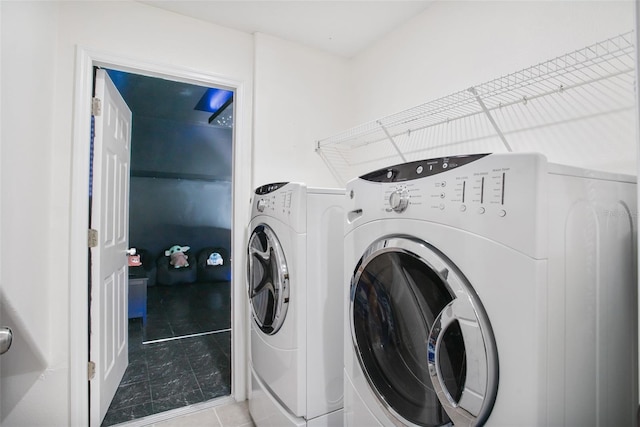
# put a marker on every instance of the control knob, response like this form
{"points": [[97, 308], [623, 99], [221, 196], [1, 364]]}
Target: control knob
{"points": [[262, 203], [399, 200]]}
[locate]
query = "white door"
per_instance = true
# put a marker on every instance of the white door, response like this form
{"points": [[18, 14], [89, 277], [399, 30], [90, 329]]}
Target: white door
{"points": [[109, 269]]}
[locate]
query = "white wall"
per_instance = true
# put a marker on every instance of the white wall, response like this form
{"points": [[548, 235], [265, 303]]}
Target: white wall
{"points": [[26, 289], [301, 95], [39, 41], [454, 45]]}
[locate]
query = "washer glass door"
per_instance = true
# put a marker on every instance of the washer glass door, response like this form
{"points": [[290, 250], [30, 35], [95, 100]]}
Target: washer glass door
{"points": [[421, 336], [268, 279]]}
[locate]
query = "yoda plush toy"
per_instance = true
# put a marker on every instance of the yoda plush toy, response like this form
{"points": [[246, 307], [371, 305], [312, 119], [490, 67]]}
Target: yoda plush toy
{"points": [[177, 255]]}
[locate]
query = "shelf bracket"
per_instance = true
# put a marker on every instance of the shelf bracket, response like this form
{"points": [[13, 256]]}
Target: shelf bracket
{"points": [[386, 132], [331, 167], [474, 92]]}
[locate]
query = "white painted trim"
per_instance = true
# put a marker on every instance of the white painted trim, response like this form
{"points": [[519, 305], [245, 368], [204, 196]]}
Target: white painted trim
{"points": [[78, 226], [78, 272], [179, 412], [637, 117], [1, 278]]}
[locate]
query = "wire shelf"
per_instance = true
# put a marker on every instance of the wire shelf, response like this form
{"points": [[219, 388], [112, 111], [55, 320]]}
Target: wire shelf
{"points": [[592, 83]]}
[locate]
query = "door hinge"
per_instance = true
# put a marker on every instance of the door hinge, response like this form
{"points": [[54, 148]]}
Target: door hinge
{"points": [[93, 238], [91, 370], [96, 106]]}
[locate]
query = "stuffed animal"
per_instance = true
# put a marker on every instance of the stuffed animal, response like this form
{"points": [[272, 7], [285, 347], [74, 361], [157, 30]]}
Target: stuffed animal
{"points": [[178, 256], [215, 259], [134, 261]]}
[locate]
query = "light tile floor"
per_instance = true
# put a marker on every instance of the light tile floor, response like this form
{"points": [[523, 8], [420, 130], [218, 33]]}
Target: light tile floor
{"points": [[229, 415]]}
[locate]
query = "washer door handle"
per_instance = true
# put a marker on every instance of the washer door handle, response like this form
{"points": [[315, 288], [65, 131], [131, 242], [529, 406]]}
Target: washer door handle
{"points": [[6, 336], [481, 369]]}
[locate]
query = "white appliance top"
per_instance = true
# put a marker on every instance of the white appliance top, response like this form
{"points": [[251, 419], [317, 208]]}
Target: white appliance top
{"points": [[287, 202]]}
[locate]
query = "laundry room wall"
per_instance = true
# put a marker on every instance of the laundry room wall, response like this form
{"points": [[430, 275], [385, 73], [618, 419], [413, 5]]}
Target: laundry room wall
{"points": [[39, 42], [30, 277], [301, 95], [454, 45]]}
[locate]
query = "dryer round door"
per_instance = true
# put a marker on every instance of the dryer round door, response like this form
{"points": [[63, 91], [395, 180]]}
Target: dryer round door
{"points": [[421, 336], [268, 280]]}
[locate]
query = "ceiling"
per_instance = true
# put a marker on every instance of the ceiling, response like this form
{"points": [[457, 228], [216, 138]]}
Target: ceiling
{"points": [[167, 99], [344, 28]]}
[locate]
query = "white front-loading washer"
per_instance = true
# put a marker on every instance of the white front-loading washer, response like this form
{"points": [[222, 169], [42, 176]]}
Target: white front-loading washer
{"points": [[295, 293], [492, 289]]}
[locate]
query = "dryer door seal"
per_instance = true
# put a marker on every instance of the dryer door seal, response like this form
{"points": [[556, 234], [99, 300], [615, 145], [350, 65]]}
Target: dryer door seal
{"points": [[268, 280], [421, 336]]}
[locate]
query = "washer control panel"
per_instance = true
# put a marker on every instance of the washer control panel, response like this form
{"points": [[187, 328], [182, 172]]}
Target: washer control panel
{"points": [[269, 188], [284, 202], [443, 184], [420, 169], [399, 200], [274, 199], [500, 196], [274, 202]]}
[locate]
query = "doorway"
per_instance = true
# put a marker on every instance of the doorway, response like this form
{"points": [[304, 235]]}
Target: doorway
{"points": [[180, 195], [86, 60]]}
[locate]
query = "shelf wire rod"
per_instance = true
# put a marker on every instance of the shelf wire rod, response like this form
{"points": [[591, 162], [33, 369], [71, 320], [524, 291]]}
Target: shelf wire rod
{"points": [[430, 117], [330, 165], [607, 76], [386, 132], [566, 87], [474, 92]]}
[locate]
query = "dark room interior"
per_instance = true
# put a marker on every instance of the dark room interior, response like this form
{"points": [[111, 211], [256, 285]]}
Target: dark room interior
{"points": [[180, 195]]}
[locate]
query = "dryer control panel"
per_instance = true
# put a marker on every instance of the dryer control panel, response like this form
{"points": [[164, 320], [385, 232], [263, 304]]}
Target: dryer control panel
{"points": [[477, 190], [496, 195]]}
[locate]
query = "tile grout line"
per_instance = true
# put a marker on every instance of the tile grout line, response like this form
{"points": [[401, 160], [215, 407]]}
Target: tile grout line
{"points": [[223, 353], [218, 417], [186, 336]]}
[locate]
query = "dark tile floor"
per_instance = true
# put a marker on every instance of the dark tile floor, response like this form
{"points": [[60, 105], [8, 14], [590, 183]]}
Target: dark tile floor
{"points": [[181, 356]]}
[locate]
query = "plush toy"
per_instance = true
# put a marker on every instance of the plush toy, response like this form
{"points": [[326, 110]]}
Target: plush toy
{"points": [[178, 256], [215, 259], [134, 261]]}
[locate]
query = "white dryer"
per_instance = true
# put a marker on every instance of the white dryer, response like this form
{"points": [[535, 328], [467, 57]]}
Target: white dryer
{"points": [[295, 292], [493, 289]]}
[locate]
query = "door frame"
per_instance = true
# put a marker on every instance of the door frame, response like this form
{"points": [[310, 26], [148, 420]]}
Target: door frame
{"points": [[86, 59]]}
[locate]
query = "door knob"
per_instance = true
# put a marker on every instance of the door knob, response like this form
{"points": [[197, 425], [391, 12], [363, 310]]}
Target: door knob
{"points": [[6, 336]]}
